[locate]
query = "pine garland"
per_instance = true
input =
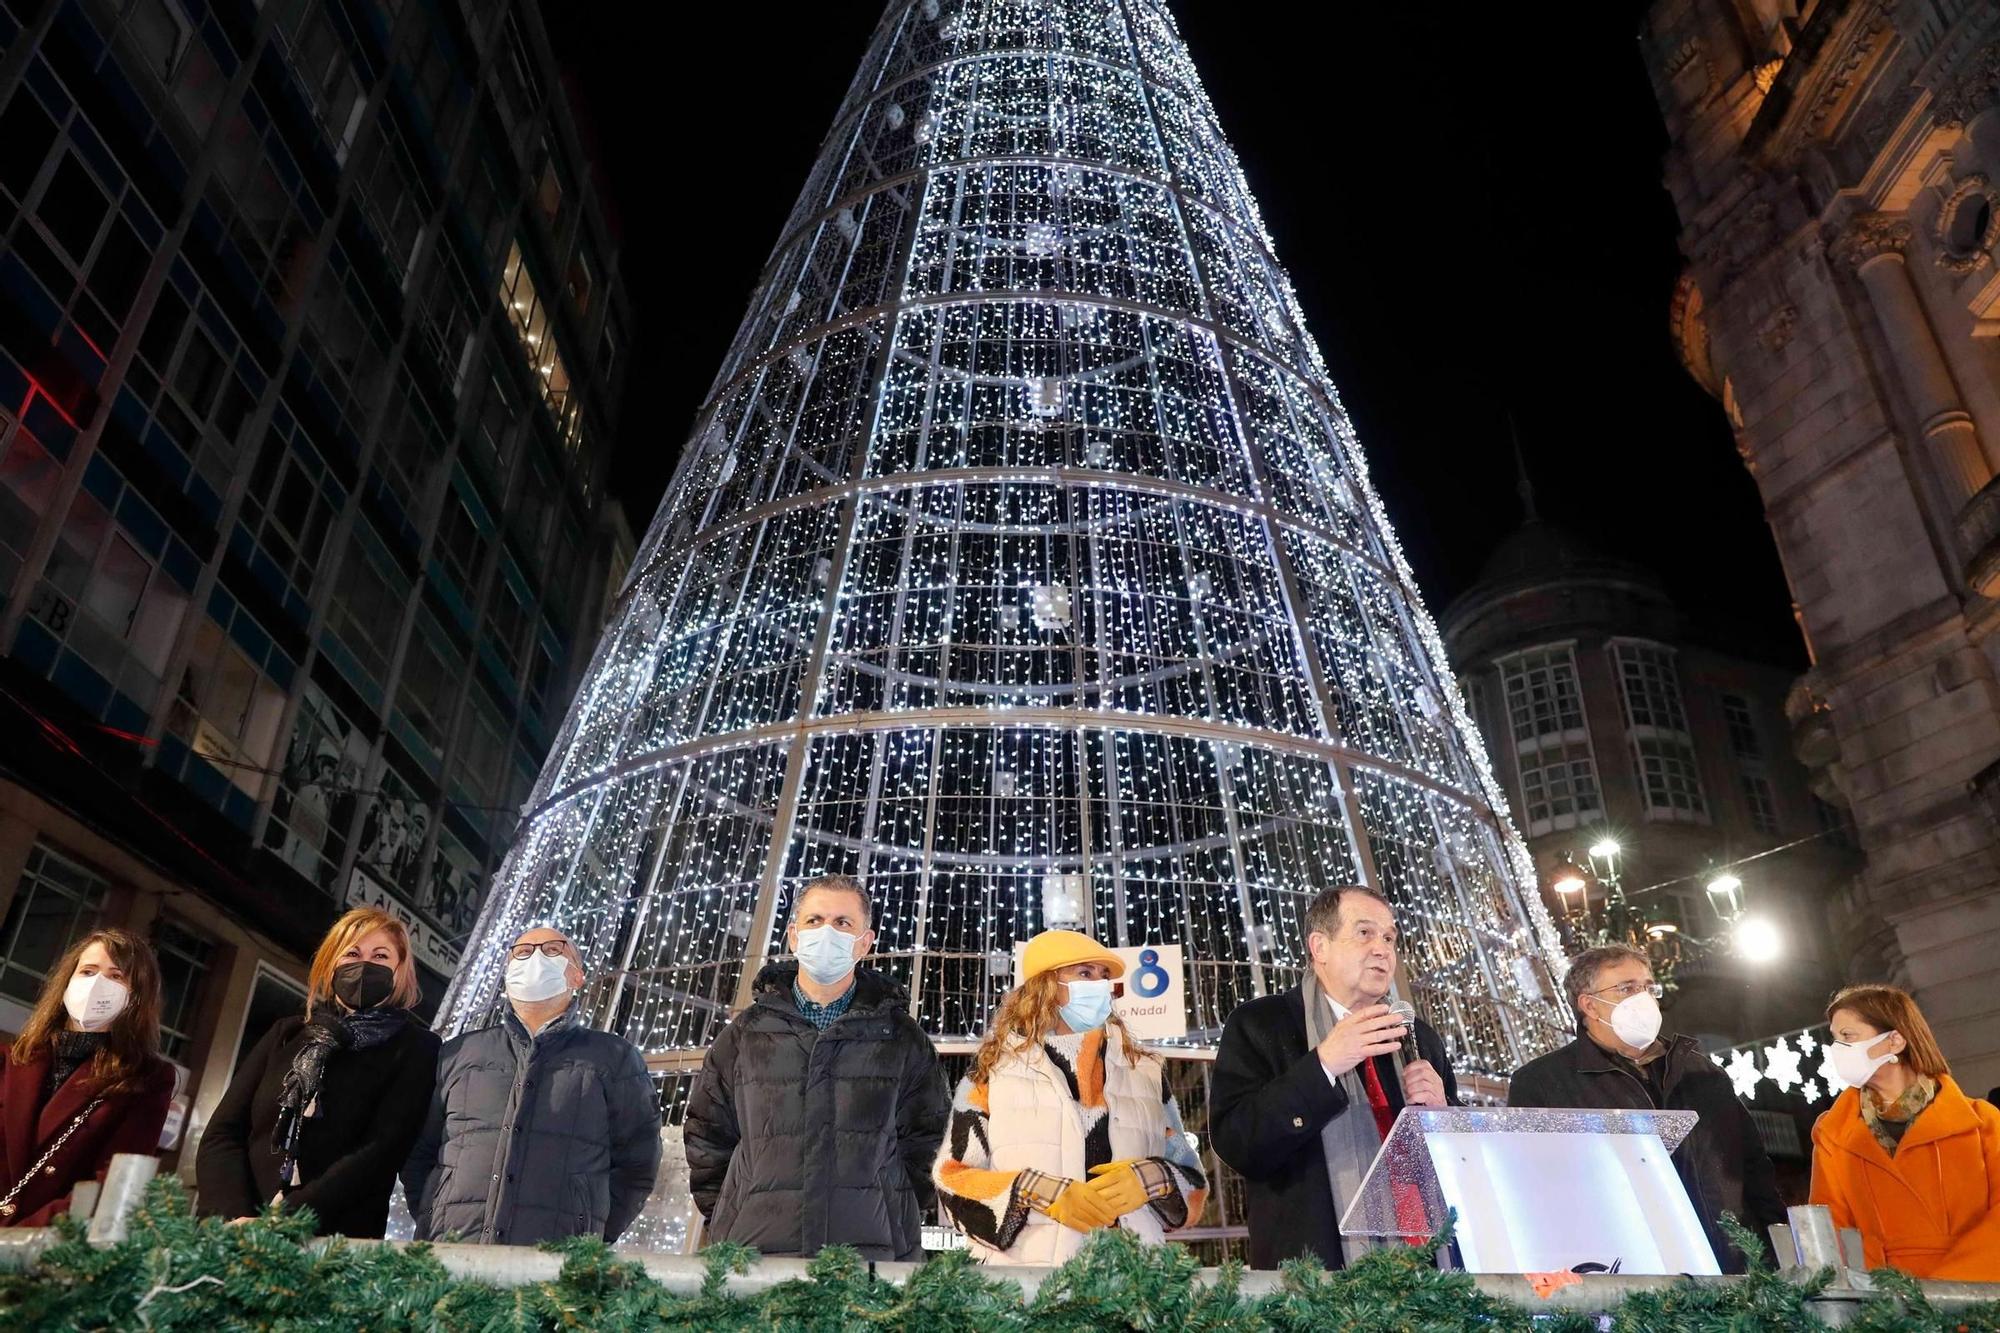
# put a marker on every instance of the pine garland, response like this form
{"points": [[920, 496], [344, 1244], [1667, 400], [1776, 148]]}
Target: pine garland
{"points": [[177, 1273]]}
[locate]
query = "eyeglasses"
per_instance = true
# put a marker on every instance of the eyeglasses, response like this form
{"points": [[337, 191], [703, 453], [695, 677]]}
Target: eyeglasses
{"points": [[553, 948], [1625, 990]]}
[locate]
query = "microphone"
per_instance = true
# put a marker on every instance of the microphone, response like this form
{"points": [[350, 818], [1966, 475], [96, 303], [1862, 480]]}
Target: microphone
{"points": [[1407, 1012]]}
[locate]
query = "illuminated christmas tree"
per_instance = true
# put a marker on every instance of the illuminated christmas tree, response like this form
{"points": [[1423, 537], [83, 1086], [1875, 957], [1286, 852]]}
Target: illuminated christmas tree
{"points": [[1022, 553]]}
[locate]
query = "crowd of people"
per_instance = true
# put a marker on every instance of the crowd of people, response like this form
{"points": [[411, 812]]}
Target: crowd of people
{"points": [[821, 1115]]}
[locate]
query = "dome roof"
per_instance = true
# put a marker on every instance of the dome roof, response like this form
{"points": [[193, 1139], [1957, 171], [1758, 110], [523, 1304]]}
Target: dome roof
{"points": [[1539, 552]]}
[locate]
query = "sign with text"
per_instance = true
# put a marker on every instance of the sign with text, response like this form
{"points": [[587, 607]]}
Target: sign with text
{"points": [[1153, 998], [427, 943]]}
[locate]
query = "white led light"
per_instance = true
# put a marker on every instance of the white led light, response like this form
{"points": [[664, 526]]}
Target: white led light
{"points": [[1167, 699]]}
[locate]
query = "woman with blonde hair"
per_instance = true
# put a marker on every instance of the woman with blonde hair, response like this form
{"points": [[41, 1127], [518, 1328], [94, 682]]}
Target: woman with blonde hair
{"points": [[1063, 1124], [84, 1081], [1903, 1155], [322, 1113]]}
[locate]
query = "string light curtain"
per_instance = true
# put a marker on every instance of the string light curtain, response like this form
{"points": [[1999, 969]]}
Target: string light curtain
{"points": [[1022, 545]]}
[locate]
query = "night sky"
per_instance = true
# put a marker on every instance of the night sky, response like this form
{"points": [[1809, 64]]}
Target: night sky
{"points": [[1469, 207]]}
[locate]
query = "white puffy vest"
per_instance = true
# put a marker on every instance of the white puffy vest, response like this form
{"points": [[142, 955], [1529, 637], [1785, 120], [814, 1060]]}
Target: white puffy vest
{"points": [[1034, 1124]]}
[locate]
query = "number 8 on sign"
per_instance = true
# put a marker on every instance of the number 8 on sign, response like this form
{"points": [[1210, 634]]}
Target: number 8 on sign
{"points": [[1150, 980]]}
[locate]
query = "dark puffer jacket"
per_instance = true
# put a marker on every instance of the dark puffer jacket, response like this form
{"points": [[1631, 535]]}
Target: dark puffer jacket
{"points": [[1722, 1162], [798, 1139], [535, 1138]]}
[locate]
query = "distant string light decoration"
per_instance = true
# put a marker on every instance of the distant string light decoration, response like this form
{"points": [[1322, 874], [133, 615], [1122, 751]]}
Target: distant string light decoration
{"points": [[1022, 541]]}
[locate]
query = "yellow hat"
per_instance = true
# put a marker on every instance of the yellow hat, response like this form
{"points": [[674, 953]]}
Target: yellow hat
{"points": [[1060, 948]]}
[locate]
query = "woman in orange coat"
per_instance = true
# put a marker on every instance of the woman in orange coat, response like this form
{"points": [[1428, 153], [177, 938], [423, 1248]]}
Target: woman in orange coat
{"points": [[1903, 1155]]}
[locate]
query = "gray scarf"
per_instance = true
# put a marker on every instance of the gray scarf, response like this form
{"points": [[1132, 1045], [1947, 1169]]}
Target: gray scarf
{"points": [[1349, 1140]]}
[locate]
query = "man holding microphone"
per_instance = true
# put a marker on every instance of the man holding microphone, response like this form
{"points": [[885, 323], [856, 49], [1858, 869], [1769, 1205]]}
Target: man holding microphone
{"points": [[1307, 1084]]}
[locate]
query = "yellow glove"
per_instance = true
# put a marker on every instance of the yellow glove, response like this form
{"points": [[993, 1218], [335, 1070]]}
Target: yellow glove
{"points": [[1079, 1208], [1118, 1186]]}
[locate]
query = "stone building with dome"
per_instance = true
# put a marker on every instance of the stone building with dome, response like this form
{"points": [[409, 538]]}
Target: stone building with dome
{"points": [[1834, 166], [1605, 718]]}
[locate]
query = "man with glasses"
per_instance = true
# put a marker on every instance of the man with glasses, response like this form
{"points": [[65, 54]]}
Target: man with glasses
{"points": [[1619, 1060], [540, 1127]]}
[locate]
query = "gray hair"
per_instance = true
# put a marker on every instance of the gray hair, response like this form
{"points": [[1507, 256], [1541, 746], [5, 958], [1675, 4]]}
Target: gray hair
{"points": [[1583, 969], [1323, 912], [837, 884]]}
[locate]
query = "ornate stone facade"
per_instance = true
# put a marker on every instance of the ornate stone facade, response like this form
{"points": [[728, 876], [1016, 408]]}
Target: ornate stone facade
{"points": [[1831, 162]]}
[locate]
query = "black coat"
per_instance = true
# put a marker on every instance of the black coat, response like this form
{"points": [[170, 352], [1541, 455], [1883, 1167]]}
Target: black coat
{"points": [[533, 1138], [798, 1139], [1269, 1098], [1722, 1162], [371, 1105]]}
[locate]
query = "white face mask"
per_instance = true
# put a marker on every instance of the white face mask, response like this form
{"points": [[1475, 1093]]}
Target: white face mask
{"points": [[94, 1001], [1852, 1062], [537, 977], [826, 954], [1636, 1020]]}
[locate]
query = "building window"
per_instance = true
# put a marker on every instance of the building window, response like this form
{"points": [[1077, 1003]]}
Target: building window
{"points": [[607, 351], [1682, 908], [227, 709], [192, 388], [159, 31], [549, 189], [461, 543], [536, 329], [541, 673], [105, 597], [325, 73], [1761, 803], [273, 997], [1835, 824], [83, 242], [57, 902], [581, 281], [480, 761], [507, 623], [73, 208], [432, 681], [491, 424], [28, 479], [291, 503], [185, 959], [1743, 742], [1552, 752], [367, 607], [392, 195], [1656, 722]]}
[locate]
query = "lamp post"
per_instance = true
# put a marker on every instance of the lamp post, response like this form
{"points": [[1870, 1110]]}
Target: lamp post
{"points": [[1597, 911]]}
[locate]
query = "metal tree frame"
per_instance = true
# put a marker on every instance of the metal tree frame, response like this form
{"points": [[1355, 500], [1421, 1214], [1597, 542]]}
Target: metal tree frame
{"points": [[1022, 535]]}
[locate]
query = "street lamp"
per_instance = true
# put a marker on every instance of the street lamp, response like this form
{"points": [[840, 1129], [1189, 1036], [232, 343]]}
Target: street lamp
{"points": [[1725, 894], [1604, 849], [1569, 880], [1757, 940]]}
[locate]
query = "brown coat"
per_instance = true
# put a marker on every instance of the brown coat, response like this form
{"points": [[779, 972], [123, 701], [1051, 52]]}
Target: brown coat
{"points": [[126, 1122], [1932, 1210]]}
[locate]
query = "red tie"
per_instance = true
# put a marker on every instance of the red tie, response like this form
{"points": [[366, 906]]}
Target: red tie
{"points": [[1378, 1100], [1409, 1199]]}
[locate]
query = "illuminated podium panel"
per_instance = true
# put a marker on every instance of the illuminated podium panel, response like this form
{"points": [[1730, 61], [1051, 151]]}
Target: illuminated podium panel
{"points": [[1538, 1191]]}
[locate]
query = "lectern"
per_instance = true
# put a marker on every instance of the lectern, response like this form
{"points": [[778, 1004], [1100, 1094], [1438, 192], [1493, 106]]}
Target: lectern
{"points": [[1538, 1191]]}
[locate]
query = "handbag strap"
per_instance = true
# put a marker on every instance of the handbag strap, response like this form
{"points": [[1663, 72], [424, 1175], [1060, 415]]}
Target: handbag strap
{"points": [[48, 1154]]}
